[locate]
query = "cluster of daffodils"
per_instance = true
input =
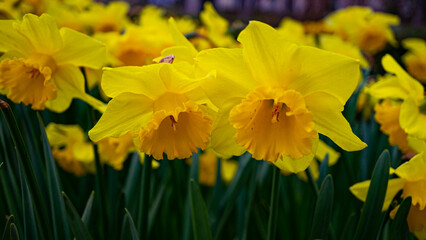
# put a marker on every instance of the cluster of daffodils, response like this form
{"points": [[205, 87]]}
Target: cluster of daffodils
{"points": [[172, 86]]}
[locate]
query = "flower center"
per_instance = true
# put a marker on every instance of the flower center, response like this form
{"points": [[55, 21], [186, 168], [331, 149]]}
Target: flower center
{"points": [[371, 40], [274, 122], [177, 128], [29, 80]]}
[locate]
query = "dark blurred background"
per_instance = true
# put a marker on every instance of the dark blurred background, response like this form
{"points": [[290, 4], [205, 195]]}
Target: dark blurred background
{"points": [[411, 12]]}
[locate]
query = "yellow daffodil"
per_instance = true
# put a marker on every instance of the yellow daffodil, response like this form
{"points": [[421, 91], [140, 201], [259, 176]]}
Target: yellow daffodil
{"points": [[412, 181], [369, 30], [216, 27], [387, 115], [106, 18], [113, 151], [336, 44], [40, 65], [274, 97], [409, 91], [293, 31], [70, 148], [67, 16], [159, 105], [137, 46], [415, 58]]}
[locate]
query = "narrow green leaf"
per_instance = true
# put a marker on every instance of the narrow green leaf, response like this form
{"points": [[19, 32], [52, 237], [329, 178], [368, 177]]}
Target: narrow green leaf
{"points": [[368, 224], [60, 224], [399, 225], [76, 224], [245, 169], [144, 198], [187, 219], [6, 231], [133, 231], [88, 210], [323, 169], [273, 206], [200, 217], [26, 169], [30, 225], [323, 210], [14, 235]]}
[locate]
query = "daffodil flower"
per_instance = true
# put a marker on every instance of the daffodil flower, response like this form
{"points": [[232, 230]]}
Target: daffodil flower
{"points": [[404, 88], [412, 181], [71, 149], [40, 65], [159, 105], [415, 58], [369, 30], [274, 97]]}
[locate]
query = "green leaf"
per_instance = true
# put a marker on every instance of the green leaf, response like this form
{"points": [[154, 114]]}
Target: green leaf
{"points": [[200, 217], [30, 225], [323, 169], [399, 225], [369, 222], [13, 232], [273, 206], [6, 231], [144, 197], [245, 170], [76, 224], [323, 210], [129, 219], [88, 210], [60, 224]]}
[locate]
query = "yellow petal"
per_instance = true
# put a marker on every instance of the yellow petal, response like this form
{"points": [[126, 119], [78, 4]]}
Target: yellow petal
{"points": [[405, 80], [329, 121], [360, 190], [140, 80], [180, 39], [42, 32], [328, 72], [417, 190], [124, 113], [177, 135], [388, 87], [12, 40], [269, 56], [80, 50], [222, 137], [288, 164], [233, 78], [411, 119], [414, 169]]}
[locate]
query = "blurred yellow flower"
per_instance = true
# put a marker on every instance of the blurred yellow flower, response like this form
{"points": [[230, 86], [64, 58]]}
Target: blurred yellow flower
{"points": [[114, 151], [70, 149], [40, 65], [406, 89], [387, 115], [159, 105], [216, 27], [106, 18], [415, 58], [294, 31], [274, 97], [412, 182], [369, 30], [207, 173]]}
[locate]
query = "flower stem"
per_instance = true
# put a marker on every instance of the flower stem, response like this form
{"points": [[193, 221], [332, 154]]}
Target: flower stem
{"points": [[312, 181], [273, 210], [144, 207]]}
